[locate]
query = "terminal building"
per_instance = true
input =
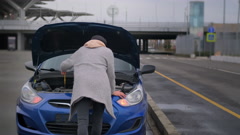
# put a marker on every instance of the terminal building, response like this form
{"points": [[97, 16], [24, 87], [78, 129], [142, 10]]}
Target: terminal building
{"points": [[18, 21]]}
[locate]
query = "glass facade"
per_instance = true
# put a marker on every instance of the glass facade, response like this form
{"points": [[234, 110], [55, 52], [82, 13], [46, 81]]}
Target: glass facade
{"points": [[196, 19]]}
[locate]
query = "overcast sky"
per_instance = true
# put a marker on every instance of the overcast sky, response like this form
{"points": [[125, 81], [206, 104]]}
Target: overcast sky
{"points": [[147, 10]]}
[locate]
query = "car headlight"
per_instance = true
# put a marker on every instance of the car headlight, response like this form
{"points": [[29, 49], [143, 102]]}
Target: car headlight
{"points": [[132, 98], [29, 95]]}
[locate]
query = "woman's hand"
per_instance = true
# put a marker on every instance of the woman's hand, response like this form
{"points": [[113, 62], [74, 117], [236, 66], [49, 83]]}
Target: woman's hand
{"points": [[119, 93], [63, 73]]}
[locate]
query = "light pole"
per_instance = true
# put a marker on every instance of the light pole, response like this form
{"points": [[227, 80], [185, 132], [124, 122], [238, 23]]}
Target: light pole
{"points": [[224, 10], [224, 46], [238, 47], [112, 11]]}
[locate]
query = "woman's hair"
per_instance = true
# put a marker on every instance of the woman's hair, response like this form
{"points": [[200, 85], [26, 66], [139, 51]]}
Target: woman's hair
{"points": [[101, 38]]}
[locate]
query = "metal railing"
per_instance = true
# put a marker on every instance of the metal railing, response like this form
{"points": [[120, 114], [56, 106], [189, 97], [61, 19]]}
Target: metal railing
{"points": [[131, 26]]}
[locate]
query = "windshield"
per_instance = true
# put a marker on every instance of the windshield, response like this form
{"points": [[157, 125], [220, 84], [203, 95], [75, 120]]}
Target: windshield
{"points": [[54, 63]]}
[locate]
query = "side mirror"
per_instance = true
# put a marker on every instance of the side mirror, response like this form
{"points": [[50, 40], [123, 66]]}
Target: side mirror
{"points": [[29, 66], [147, 69]]}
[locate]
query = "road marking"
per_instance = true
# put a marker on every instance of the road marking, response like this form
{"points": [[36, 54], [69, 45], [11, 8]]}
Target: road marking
{"points": [[187, 59], [228, 71], [200, 95]]}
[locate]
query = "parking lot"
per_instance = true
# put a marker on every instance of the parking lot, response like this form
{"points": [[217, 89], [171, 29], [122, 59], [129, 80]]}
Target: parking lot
{"points": [[198, 96]]}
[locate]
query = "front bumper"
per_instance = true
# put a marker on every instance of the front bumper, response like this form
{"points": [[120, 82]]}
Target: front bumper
{"points": [[43, 118]]}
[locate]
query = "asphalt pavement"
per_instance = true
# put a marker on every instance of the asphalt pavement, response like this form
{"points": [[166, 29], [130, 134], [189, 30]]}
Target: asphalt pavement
{"points": [[199, 96], [12, 77]]}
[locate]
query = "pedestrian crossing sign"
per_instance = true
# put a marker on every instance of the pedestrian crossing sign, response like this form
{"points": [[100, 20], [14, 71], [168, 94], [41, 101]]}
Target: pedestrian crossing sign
{"points": [[211, 37]]}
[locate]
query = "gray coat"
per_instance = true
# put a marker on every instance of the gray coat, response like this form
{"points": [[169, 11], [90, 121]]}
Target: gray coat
{"points": [[94, 76]]}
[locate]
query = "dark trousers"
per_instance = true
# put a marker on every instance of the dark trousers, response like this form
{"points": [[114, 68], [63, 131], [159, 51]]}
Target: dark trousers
{"points": [[83, 107]]}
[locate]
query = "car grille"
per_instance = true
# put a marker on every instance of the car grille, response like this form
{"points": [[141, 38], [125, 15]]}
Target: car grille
{"points": [[61, 126], [69, 128], [60, 103]]}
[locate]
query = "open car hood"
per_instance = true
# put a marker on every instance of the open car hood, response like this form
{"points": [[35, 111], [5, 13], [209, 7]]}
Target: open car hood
{"points": [[63, 38]]}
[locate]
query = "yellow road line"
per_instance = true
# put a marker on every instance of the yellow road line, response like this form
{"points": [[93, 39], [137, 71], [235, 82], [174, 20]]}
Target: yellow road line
{"points": [[200, 95]]}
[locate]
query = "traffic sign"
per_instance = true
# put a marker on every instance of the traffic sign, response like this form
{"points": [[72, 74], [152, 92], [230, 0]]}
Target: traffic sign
{"points": [[211, 37], [211, 30]]}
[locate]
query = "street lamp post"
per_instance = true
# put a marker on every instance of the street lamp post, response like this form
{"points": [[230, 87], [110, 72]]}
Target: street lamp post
{"points": [[238, 45], [224, 46]]}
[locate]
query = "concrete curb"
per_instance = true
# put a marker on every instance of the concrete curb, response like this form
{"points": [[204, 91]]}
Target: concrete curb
{"points": [[232, 59], [164, 126]]}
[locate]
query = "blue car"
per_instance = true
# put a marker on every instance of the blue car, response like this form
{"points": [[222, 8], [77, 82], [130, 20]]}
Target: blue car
{"points": [[44, 104]]}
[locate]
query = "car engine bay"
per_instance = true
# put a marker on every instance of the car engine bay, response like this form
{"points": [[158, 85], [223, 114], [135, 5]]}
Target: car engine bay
{"points": [[57, 83]]}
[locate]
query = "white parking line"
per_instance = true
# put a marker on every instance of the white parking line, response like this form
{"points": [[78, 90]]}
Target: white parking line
{"points": [[228, 71], [172, 58]]}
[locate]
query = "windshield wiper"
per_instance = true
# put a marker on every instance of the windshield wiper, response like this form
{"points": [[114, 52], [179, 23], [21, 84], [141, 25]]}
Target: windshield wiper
{"points": [[125, 73], [49, 69], [130, 77]]}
